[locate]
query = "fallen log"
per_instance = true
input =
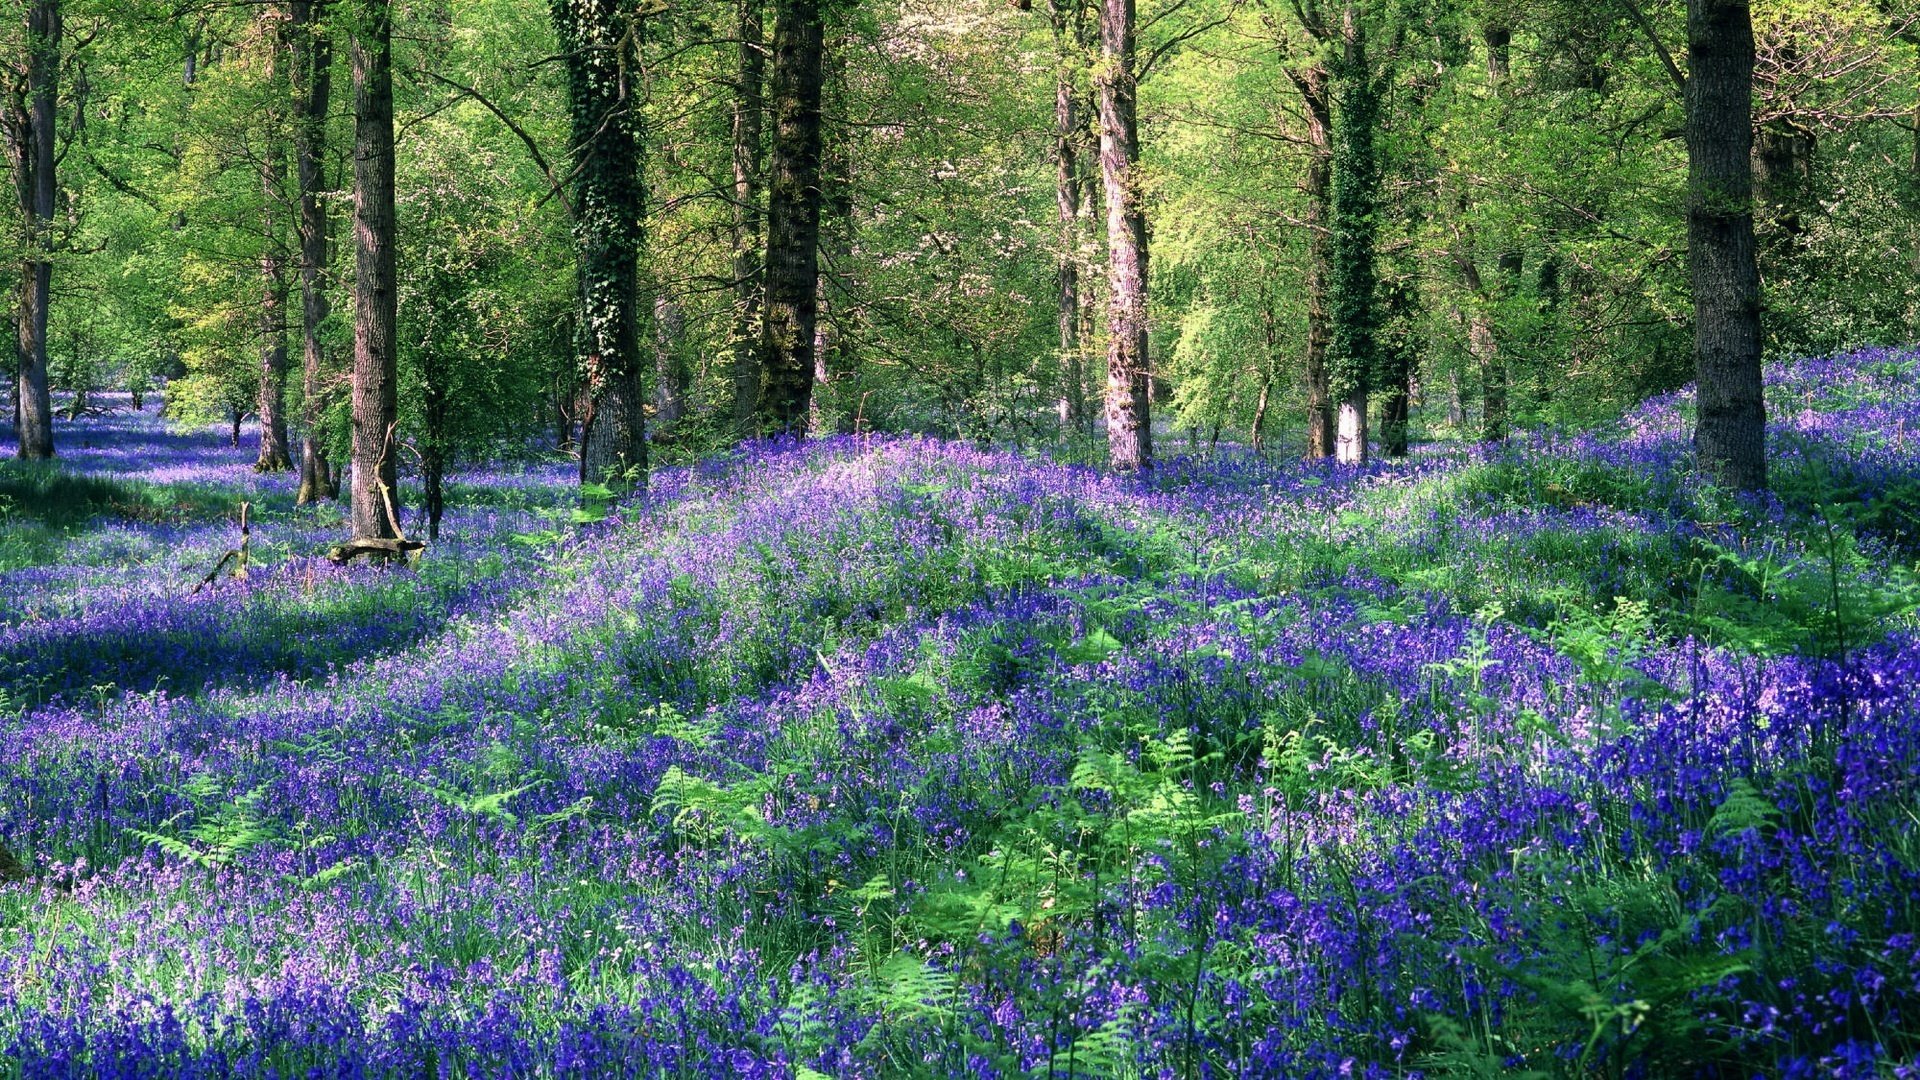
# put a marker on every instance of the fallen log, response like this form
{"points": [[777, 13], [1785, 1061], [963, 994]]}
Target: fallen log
{"points": [[341, 554]]}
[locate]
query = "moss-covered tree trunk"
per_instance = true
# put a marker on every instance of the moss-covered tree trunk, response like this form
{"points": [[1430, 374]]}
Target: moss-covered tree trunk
{"points": [[600, 42], [793, 218], [1313, 84], [1353, 349]]}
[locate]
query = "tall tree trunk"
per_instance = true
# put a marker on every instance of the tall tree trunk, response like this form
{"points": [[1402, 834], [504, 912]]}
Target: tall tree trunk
{"points": [[1129, 405], [272, 402], [374, 495], [793, 218], [30, 122], [1353, 350], [312, 96], [833, 360], [1068, 15], [749, 106], [1312, 82], [600, 41], [1731, 435]]}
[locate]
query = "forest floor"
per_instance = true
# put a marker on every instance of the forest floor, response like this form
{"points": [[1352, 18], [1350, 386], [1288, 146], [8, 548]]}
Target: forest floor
{"points": [[896, 757]]}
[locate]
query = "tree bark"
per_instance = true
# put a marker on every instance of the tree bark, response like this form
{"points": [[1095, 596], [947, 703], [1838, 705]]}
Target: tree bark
{"points": [[793, 219], [1731, 432], [1352, 352], [1068, 17], [600, 41], [271, 405], [29, 121], [374, 495], [749, 105], [1129, 405], [312, 96], [833, 359], [1313, 84]]}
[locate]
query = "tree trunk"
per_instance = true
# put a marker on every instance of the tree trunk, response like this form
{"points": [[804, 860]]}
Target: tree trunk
{"points": [[600, 41], [749, 105], [1397, 355], [271, 404], [793, 218], [1129, 406], [1067, 125], [374, 494], [312, 94], [670, 374], [29, 123], [833, 360], [1731, 434], [1312, 83], [1352, 352]]}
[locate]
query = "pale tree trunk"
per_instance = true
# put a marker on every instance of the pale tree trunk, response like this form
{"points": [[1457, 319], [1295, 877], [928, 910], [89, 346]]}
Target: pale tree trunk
{"points": [[749, 105], [29, 121], [793, 219], [1731, 434], [1129, 406], [312, 94], [374, 495]]}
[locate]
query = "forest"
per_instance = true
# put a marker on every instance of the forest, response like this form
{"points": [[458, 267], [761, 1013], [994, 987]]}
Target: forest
{"points": [[924, 538]]}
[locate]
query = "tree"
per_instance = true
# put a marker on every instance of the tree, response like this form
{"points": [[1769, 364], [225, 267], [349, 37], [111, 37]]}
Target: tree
{"points": [[1352, 351], [1128, 401], [373, 491], [312, 76], [271, 406], [1731, 431], [600, 41], [745, 128], [28, 117], [792, 264]]}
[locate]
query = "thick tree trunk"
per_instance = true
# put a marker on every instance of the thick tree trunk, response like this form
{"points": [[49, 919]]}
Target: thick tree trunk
{"points": [[374, 495], [1731, 435], [271, 404], [30, 144], [793, 219], [1316, 96], [1352, 352], [312, 96], [1129, 405], [749, 105], [600, 41]]}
